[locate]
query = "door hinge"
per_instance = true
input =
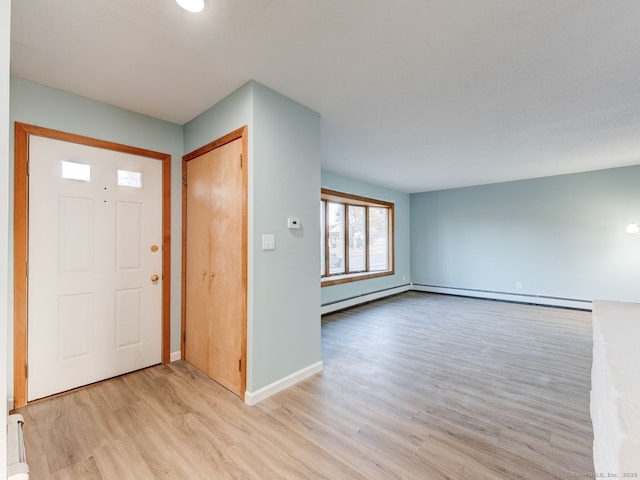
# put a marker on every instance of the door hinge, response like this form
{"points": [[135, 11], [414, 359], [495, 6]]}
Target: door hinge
{"points": [[26, 370], [240, 365], [240, 161], [184, 180], [28, 168], [184, 336]]}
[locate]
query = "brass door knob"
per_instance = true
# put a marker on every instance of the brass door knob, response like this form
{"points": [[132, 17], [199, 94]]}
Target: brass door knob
{"points": [[155, 278]]}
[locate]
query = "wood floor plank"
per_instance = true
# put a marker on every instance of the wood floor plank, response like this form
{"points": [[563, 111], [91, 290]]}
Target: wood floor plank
{"points": [[120, 459], [85, 468], [417, 386]]}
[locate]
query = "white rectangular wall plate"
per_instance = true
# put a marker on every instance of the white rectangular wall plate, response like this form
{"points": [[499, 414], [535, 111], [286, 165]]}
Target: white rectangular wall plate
{"points": [[268, 241]]}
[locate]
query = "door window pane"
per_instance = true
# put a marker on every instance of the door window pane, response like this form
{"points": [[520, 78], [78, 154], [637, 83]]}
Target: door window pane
{"points": [[357, 238], [378, 239], [336, 238], [76, 171], [129, 179]]}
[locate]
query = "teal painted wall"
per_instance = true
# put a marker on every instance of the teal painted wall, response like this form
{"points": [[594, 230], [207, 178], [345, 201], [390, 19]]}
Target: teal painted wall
{"points": [[561, 236], [286, 182], [402, 272], [283, 324], [37, 104], [230, 113]]}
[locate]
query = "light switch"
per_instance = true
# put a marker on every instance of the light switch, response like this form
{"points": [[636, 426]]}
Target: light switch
{"points": [[268, 241]]}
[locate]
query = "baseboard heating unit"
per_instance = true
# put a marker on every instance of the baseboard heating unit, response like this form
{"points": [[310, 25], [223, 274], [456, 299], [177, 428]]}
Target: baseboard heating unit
{"points": [[17, 468]]}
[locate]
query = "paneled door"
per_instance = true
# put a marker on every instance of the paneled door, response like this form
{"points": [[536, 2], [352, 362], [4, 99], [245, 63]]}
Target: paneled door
{"points": [[95, 264], [215, 264]]}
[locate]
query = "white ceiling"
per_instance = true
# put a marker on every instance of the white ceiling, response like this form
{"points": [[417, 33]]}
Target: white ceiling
{"points": [[414, 95]]}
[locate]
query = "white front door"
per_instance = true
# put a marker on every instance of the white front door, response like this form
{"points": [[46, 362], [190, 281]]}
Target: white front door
{"points": [[95, 233]]}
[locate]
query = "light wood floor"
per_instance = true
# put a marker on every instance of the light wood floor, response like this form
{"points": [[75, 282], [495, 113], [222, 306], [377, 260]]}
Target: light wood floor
{"points": [[416, 386]]}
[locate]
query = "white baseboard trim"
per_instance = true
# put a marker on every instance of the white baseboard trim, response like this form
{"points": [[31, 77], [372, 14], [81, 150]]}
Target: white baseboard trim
{"points": [[252, 398], [510, 297], [351, 302], [175, 356]]}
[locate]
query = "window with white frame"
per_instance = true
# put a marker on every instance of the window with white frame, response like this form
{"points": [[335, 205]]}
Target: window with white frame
{"points": [[356, 237]]}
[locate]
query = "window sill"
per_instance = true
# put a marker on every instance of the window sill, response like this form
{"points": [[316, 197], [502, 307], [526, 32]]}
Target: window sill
{"points": [[352, 277]]}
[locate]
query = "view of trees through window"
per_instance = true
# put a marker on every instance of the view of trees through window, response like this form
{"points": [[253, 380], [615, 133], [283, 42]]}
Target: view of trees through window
{"points": [[336, 238], [355, 235]]}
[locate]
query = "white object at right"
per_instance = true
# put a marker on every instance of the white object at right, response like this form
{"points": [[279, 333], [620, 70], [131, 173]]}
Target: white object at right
{"points": [[615, 389]]}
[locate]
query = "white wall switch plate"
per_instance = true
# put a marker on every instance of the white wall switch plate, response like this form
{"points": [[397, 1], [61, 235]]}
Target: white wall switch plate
{"points": [[268, 241]]}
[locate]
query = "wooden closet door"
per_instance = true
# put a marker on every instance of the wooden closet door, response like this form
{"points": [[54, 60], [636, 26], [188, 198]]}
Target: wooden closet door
{"points": [[197, 246], [215, 263]]}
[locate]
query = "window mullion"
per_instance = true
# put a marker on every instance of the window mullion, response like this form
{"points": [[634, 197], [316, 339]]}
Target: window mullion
{"points": [[347, 269], [366, 238], [326, 239]]}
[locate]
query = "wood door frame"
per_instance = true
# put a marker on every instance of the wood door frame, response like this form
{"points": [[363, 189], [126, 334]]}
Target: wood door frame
{"points": [[21, 241], [242, 133]]}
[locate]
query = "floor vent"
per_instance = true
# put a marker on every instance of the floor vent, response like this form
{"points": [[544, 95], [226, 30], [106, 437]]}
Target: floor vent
{"points": [[17, 467]]}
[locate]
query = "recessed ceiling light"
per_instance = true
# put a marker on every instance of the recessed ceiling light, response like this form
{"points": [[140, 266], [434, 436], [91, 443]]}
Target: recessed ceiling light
{"points": [[194, 6]]}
